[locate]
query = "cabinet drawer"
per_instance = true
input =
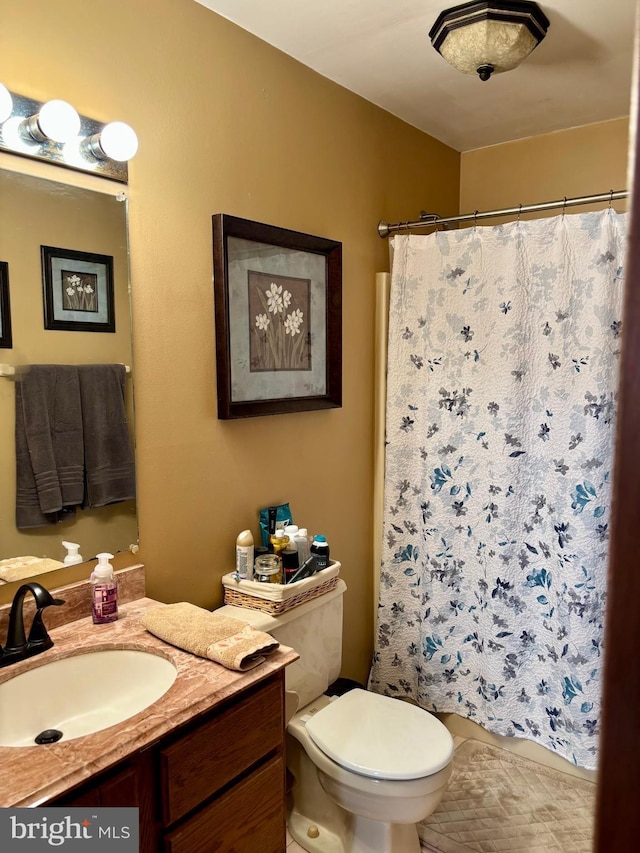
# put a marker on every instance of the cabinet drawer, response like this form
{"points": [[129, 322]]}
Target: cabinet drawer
{"points": [[248, 818], [211, 756]]}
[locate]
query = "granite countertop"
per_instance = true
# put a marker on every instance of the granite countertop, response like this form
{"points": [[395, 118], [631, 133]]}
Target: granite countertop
{"points": [[34, 774]]}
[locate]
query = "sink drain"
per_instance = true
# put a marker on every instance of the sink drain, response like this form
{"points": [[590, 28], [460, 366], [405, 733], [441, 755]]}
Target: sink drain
{"points": [[49, 736]]}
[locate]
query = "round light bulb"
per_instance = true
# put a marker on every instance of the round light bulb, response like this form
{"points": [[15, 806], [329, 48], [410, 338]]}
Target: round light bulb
{"points": [[6, 103], [59, 121], [118, 141]]}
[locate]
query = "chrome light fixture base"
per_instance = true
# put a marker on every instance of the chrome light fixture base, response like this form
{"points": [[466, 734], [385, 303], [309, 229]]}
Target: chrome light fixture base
{"points": [[488, 36], [19, 134]]}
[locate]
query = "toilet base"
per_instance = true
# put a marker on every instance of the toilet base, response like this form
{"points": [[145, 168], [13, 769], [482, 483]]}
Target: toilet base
{"points": [[314, 821], [313, 837], [388, 837], [360, 836]]}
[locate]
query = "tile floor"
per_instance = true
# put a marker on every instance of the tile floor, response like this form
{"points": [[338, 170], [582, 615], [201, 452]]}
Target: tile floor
{"points": [[294, 847]]}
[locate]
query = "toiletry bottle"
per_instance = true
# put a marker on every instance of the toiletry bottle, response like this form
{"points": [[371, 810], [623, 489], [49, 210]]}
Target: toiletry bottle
{"points": [[244, 555], [73, 556], [290, 564], [320, 550], [291, 530], [302, 544], [279, 541], [104, 591]]}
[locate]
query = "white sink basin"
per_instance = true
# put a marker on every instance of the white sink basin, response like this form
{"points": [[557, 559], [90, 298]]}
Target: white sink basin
{"points": [[81, 694]]}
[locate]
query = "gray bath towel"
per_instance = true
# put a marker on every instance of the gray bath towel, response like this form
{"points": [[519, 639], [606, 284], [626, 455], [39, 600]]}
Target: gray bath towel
{"points": [[108, 455], [49, 443]]}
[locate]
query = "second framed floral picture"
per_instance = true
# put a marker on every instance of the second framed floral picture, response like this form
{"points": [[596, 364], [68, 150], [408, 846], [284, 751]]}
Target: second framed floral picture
{"points": [[278, 313], [77, 290]]}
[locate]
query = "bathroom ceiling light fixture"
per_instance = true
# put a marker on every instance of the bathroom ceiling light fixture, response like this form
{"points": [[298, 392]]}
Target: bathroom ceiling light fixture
{"points": [[489, 36], [54, 132]]}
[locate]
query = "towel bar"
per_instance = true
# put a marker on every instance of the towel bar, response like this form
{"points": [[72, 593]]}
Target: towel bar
{"points": [[9, 371]]}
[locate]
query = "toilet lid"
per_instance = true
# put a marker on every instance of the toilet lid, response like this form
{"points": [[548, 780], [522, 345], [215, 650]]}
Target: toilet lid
{"points": [[381, 737]]}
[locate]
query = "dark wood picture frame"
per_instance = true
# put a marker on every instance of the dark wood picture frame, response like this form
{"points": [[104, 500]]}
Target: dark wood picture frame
{"points": [[278, 319], [78, 290], [6, 338]]}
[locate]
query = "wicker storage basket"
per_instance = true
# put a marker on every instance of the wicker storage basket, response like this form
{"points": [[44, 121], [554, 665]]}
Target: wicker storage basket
{"points": [[274, 598]]}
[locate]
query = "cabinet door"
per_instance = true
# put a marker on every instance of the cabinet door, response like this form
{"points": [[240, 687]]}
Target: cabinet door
{"points": [[249, 818], [115, 788], [132, 784]]}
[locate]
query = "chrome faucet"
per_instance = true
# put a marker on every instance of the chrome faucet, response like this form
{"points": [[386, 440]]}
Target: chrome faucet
{"points": [[18, 646]]}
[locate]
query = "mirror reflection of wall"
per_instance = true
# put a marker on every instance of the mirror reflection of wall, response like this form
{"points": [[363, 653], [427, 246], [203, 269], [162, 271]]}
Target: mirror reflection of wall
{"points": [[35, 212]]}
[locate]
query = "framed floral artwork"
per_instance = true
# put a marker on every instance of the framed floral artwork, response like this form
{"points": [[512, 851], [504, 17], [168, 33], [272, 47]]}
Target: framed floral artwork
{"points": [[77, 290], [278, 315], [6, 340]]}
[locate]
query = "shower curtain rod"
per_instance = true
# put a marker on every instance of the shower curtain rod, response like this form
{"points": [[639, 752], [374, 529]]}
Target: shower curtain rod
{"points": [[432, 219]]}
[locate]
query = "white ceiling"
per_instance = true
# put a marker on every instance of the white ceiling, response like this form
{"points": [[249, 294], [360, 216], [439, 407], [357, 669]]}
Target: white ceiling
{"points": [[380, 49]]}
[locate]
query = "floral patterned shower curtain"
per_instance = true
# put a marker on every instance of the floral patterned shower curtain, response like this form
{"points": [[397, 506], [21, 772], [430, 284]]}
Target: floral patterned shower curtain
{"points": [[503, 364]]}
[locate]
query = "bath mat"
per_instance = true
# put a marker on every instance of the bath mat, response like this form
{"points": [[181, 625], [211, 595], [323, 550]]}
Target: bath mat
{"points": [[498, 802]]}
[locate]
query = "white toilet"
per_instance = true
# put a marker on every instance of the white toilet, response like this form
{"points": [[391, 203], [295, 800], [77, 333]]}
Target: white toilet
{"points": [[367, 768]]}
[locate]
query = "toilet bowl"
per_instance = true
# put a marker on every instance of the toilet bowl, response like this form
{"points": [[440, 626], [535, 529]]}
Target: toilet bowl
{"points": [[366, 768]]}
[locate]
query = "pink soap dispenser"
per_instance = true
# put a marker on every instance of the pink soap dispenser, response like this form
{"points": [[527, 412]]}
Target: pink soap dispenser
{"points": [[104, 591]]}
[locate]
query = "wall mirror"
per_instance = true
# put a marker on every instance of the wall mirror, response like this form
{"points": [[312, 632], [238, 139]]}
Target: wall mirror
{"points": [[35, 212]]}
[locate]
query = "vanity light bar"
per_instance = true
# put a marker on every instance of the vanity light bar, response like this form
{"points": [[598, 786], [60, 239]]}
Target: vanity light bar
{"points": [[55, 133]]}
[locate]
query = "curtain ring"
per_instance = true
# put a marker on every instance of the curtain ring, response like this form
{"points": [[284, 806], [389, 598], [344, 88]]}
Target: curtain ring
{"points": [[564, 206], [475, 218], [519, 212], [610, 198]]}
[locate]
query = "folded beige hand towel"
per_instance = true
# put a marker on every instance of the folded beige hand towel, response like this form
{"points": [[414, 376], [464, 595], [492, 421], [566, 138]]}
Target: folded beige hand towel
{"points": [[226, 641], [19, 568]]}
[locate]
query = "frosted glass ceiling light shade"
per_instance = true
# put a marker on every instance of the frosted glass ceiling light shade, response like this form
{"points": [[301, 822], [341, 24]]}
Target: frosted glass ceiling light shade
{"points": [[488, 37], [116, 141], [57, 121], [6, 103]]}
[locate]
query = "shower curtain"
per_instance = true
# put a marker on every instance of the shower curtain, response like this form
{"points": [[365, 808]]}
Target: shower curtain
{"points": [[503, 362]]}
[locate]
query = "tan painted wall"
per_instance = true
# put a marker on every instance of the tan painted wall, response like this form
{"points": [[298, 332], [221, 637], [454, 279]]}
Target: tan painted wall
{"points": [[228, 124], [570, 163]]}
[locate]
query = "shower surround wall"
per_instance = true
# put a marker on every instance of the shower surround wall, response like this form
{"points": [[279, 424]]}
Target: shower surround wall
{"points": [[501, 387]]}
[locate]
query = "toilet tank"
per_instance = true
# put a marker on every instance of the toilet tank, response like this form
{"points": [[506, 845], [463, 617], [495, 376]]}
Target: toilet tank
{"points": [[314, 630]]}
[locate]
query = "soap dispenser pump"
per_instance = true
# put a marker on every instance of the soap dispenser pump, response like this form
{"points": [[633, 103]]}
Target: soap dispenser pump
{"points": [[104, 591], [73, 556]]}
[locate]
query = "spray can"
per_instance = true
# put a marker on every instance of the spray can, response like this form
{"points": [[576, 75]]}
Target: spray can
{"points": [[244, 555]]}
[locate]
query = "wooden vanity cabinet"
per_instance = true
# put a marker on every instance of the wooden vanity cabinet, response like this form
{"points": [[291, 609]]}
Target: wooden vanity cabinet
{"points": [[213, 785]]}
